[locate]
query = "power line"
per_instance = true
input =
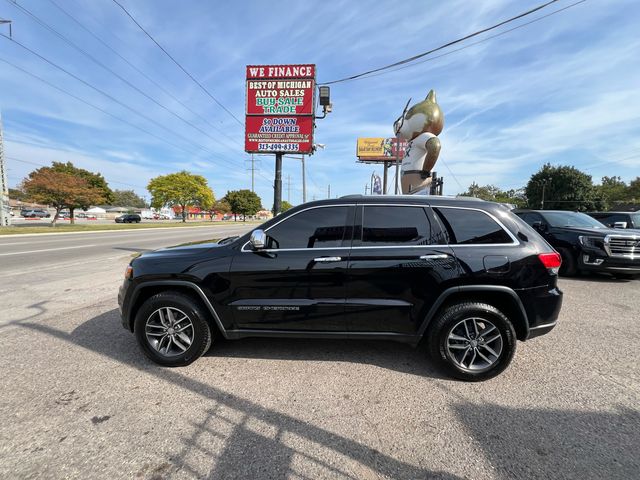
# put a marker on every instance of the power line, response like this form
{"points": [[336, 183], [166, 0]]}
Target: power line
{"points": [[66, 92], [116, 100], [178, 64], [47, 166], [105, 67], [163, 89], [491, 37], [441, 47]]}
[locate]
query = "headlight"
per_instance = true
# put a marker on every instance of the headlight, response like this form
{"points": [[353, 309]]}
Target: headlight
{"points": [[592, 242]]}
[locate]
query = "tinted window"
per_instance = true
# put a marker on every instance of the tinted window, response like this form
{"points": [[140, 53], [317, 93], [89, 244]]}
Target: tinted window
{"points": [[530, 217], [471, 227], [316, 228], [387, 225], [571, 219]]}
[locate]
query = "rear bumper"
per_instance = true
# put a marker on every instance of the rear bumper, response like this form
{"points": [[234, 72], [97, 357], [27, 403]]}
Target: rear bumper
{"points": [[542, 305]]}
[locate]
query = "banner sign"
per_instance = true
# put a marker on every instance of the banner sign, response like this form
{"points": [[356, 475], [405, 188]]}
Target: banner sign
{"points": [[279, 134], [379, 149], [280, 108]]}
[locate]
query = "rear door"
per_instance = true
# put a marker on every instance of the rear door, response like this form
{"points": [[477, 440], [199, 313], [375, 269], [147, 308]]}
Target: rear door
{"points": [[398, 267]]}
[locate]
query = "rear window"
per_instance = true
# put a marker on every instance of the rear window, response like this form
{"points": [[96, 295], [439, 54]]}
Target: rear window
{"points": [[470, 227]]}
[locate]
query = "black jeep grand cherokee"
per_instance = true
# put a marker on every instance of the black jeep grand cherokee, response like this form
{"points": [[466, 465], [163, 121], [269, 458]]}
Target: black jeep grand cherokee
{"points": [[466, 277]]}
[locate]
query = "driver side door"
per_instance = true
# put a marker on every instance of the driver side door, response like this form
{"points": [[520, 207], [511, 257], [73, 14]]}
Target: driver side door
{"points": [[297, 283]]}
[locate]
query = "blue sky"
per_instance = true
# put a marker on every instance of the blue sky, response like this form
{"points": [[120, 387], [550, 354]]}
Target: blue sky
{"points": [[563, 90]]}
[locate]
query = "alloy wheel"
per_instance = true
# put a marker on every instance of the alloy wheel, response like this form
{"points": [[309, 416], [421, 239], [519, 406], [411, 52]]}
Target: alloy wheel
{"points": [[169, 331], [474, 344]]}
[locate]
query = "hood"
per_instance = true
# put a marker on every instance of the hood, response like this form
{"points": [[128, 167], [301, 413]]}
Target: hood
{"points": [[598, 232], [182, 250]]}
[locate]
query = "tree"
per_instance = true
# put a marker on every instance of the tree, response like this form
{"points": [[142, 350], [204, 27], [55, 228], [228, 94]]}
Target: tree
{"points": [[181, 189], [221, 206], [633, 193], [492, 193], [128, 198], [612, 190], [60, 190], [94, 180], [564, 187], [284, 206], [18, 194], [244, 202]]}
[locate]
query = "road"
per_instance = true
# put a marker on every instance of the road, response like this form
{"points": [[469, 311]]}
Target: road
{"points": [[21, 252], [78, 399]]}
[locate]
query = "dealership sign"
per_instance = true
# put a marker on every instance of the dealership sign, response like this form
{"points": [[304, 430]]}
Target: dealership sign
{"points": [[379, 149], [280, 108]]}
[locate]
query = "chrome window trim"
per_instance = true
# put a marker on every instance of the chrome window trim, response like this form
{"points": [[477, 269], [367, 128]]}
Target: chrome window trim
{"points": [[291, 216], [515, 242]]}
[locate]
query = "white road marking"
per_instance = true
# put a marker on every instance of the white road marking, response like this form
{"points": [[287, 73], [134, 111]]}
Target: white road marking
{"points": [[45, 250]]}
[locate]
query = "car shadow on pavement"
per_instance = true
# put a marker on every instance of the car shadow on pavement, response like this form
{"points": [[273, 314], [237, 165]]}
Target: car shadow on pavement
{"points": [[390, 355], [233, 418], [550, 443]]}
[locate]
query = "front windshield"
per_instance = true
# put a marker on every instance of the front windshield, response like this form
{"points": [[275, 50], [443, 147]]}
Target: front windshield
{"points": [[635, 218], [571, 219]]}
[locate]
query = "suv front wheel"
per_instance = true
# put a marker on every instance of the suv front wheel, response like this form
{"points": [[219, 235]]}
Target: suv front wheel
{"points": [[472, 341], [172, 329]]}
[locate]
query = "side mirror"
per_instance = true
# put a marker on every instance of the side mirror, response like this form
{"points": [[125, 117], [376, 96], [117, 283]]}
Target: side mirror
{"points": [[620, 225], [258, 239]]}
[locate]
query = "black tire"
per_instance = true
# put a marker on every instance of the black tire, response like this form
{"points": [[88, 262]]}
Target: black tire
{"points": [[449, 321], [568, 267], [199, 330]]}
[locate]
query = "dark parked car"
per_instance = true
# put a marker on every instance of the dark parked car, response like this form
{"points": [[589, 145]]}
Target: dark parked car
{"points": [[586, 244], [618, 219], [129, 218], [34, 213], [466, 277]]}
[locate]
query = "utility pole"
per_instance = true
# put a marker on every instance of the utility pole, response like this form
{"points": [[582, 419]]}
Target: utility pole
{"points": [[288, 187], [329, 191], [253, 174], [5, 216], [304, 183], [366, 188], [277, 187], [543, 189]]}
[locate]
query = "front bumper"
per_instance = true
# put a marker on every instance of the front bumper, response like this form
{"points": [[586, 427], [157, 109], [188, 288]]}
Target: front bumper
{"points": [[596, 262], [124, 303]]}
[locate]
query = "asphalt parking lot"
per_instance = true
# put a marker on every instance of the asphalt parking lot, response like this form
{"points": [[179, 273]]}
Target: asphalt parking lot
{"points": [[78, 399]]}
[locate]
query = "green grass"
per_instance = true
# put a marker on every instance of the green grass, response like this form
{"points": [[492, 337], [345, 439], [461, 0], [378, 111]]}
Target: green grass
{"points": [[61, 228]]}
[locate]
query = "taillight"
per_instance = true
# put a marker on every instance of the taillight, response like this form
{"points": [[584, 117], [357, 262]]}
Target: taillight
{"points": [[551, 261], [128, 273]]}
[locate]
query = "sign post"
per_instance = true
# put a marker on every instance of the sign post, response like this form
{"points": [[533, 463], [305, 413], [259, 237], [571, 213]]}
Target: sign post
{"points": [[280, 114]]}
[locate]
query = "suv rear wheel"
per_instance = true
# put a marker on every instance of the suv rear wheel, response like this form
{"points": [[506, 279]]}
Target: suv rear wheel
{"points": [[472, 341], [172, 329]]}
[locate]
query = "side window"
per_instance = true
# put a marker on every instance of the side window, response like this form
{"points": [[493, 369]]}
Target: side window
{"points": [[395, 226], [530, 217], [468, 227], [316, 228]]}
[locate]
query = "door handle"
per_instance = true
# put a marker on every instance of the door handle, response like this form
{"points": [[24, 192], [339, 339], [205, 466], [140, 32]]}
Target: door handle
{"points": [[434, 256], [327, 259]]}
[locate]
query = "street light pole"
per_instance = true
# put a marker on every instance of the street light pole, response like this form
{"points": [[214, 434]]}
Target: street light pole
{"points": [[304, 183]]}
